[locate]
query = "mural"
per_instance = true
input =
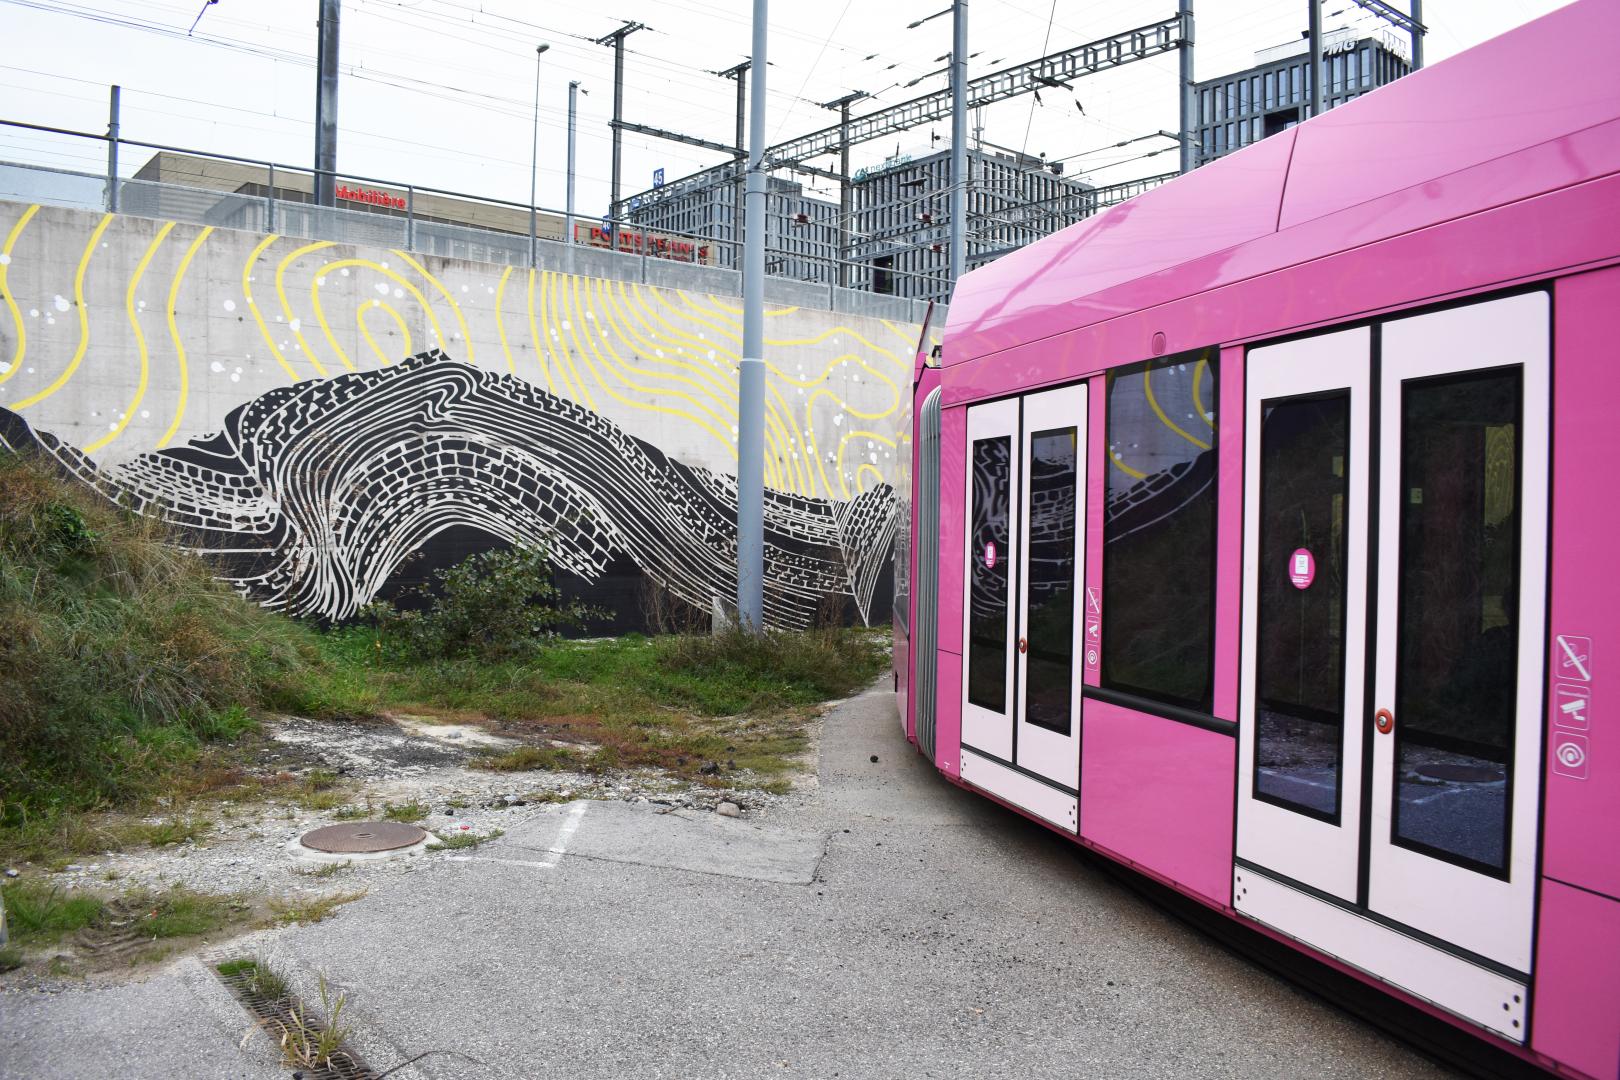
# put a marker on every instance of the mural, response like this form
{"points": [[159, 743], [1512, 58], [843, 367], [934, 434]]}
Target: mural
{"points": [[267, 396]]}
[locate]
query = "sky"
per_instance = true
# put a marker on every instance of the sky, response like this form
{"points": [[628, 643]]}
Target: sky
{"points": [[441, 93]]}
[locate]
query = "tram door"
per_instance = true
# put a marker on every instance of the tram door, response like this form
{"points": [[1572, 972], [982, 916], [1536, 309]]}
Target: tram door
{"points": [[1025, 561], [1393, 640]]}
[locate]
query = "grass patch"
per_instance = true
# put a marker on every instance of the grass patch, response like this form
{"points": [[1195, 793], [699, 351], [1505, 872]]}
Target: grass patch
{"points": [[405, 812], [314, 910], [38, 913], [531, 759], [112, 929], [458, 841], [326, 870]]}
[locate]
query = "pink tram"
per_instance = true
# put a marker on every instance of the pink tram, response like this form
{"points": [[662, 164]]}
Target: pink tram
{"points": [[1262, 541]]}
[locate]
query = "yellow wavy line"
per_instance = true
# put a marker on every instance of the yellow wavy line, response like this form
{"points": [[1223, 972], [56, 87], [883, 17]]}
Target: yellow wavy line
{"points": [[84, 320], [593, 348], [455, 309], [648, 342], [399, 320], [868, 467], [247, 294], [843, 444], [604, 309], [500, 324], [1153, 402], [339, 264], [1119, 463], [1198, 393], [691, 312], [857, 335], [140, 340], [534, 332], [770, 313], [315, 281], [293, 323], [783, 426], [174, 332], [553, 283], [11, 303]]}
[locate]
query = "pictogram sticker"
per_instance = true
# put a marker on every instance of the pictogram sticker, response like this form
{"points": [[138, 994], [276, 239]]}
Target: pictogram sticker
{"points": [[1573, 658], [1569, 754], [990, 554], [1093, 601], [1093, 625], [1301, 568], [1572, 705]]}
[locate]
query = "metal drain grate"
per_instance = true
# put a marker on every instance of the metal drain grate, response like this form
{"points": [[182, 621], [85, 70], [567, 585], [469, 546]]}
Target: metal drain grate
{"points": [[276, 1016]]}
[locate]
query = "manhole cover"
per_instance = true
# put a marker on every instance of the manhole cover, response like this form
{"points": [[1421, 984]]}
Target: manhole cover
{"points": [[359, 837], [1470, 774]]}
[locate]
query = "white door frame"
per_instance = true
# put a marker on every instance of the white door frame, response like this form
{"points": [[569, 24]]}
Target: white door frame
{"points": [[1423, 892], [1040, 750], [1321, 854], [983, 729]]}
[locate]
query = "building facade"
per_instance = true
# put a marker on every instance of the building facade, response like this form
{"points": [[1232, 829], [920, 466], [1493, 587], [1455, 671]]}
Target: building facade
{"points": [[1274, 95], [902, 226], [801, 231]]}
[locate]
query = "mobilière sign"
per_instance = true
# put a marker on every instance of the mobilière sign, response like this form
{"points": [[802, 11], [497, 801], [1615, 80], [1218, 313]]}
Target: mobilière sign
{"points": [[371, 196], [631, 240]]}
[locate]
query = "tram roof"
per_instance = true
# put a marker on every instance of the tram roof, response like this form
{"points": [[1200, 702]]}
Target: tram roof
{"points": [[1369, 169]]}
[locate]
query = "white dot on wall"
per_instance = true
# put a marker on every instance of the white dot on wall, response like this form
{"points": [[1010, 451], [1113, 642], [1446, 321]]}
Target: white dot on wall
{"points": [[464, 288], [238, 370], [399, 294], [30, 370], [591, 315], [216, 367], [344, 271], [382, 287], [280, 319], [145, 414], [94, 413], [490, 289], [5, 366], [230, 305], [295, 325], [235, 377], [140, 305], [385, 266], [33, 313], [320, 279], [112, 427], [567, 325], [50, 320], [874, 459], [5, 260], [838, 421]]}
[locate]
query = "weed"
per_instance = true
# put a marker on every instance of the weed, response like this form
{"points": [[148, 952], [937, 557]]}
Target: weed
{"points": [[529, 759], [405, 812], [326, 870], [352, 813], [41, 914], [466, 840], [179, 912], [11, 958], [309, 1041], [263, 979], [312, 910]]}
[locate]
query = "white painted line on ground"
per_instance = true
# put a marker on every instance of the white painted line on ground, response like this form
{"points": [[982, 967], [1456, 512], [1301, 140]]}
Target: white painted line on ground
{"points": [[570, 825], [554, 853]]}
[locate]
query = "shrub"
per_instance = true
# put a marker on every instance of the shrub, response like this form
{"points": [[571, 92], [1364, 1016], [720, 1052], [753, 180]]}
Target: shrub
{"points": [[494, 605]]}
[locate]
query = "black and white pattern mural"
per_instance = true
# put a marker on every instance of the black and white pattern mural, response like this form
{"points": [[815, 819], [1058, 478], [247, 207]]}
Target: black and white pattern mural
{"points": [[314, 496]]}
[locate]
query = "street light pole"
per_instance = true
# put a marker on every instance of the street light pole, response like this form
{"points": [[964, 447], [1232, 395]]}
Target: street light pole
{"points": [[958, 203], [751, 371], [568, 227], [534, 153]]}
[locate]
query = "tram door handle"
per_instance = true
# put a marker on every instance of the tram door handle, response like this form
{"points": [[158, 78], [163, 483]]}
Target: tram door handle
{"points": [[1384, 721]]}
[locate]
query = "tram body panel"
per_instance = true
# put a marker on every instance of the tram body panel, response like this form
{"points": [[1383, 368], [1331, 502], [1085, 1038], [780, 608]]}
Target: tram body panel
{"points": [[1472, 874]]}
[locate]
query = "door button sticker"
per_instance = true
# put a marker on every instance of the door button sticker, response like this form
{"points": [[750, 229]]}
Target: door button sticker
{"points": [[1301, 568], [990, 554]]}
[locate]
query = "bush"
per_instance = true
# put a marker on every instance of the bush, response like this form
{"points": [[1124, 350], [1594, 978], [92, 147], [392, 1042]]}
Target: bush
{"points": [[495, 605], [734, 671], [120, 654]]}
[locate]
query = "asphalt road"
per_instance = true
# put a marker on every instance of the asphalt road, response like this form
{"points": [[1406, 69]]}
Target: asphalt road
{"points": [[893, 926]]}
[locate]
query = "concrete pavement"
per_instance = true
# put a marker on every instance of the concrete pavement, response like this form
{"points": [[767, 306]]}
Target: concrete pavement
{"points": [[891, 926]]}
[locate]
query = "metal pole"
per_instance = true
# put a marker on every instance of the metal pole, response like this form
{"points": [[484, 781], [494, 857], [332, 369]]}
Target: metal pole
{"points": [[410, 218], [270, 202], [616, 40], [1316, 56], [112, 150], [738, 189], [534, 151], [846, 196], [326, 105], [1189, 101], [1417, 34], [958, 211], [751, 372], [568, 226]]}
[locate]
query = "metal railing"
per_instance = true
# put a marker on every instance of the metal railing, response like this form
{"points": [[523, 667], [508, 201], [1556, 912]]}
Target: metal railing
{"points": [[267, 197]]}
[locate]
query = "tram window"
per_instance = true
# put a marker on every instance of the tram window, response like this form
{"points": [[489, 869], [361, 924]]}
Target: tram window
{"points": [[1159, 530], [1299, 659], [1458, 636], [989, 553]]}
